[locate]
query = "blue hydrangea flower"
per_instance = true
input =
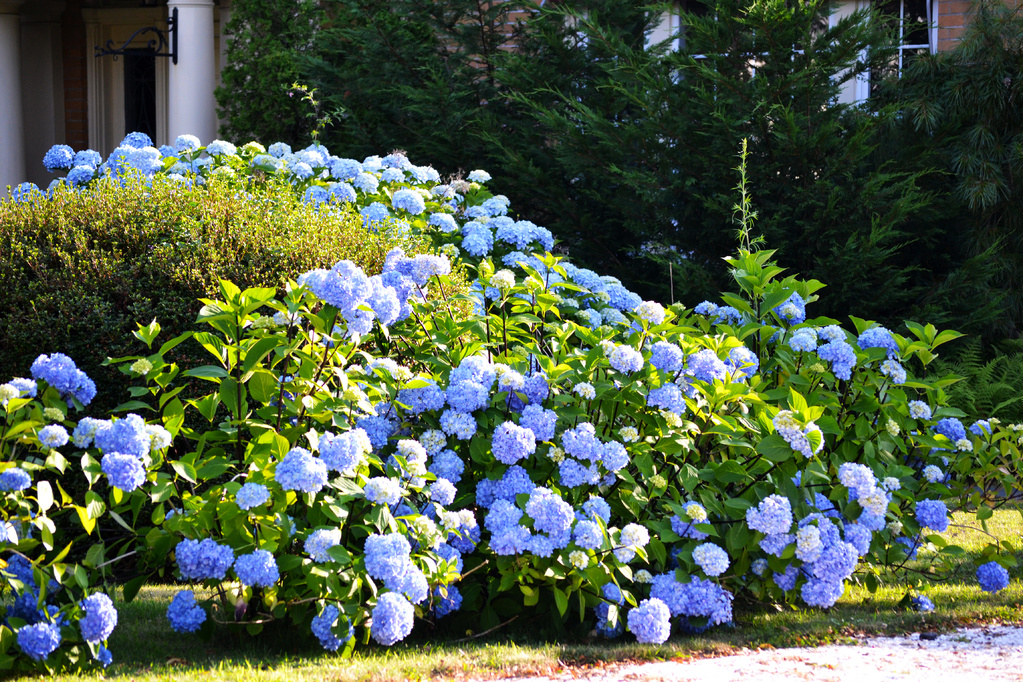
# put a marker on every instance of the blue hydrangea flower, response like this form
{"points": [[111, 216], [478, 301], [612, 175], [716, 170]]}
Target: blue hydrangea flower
{"points": [[79, 175], [894, 371], [821, 593], [932, 514], [136, 140], [542, 422], [184, 614], [366, 182], [258, 569], [89, 158], [458, 424], [59, 371], [992, 577], [383, 490], [26, 191], [650, 621], [981, 427], [100, 618], [221, 147], [127, 436], [340, 193], [706, 366], [14, 479], [344, 452], [879, 337], [666, 357], [803, 340], [443, 604], [588, 535], [550, 513], [626, 359], [203, 559], [512, 442], [841, 356], [742, 362], [392, 619], [408, 200], [712, 559], [123, 471], [921, 603], [40, 640], [793, 310], [772, 516], [668, 397], [299, 470], [321, 540], [342, 169], [53, 436], [252, 495], [387, 557], [444, 222], [951, 428], [442, 492], [59, 157], [448, 465], [322, 626]]}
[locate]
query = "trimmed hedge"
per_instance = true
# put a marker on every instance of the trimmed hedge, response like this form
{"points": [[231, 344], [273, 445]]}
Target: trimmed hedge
{"points": [[81, 270]]}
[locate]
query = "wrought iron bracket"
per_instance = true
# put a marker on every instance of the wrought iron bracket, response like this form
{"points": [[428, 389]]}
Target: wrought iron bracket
{"points": [[164, 44]]}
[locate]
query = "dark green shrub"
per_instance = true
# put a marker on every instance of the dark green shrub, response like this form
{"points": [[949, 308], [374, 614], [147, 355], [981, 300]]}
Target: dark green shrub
{"points": [[266, 39], [81, 270]]}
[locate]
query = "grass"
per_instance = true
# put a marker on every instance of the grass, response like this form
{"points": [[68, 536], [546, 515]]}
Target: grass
{"points": [[146, 650]]}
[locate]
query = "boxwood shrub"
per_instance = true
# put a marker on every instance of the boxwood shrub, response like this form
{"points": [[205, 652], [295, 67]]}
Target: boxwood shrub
{"points": [[81, 270]]}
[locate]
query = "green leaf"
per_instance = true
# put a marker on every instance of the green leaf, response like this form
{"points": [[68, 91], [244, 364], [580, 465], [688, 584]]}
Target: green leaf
{"points": [[185, 470], [258, 351], [263, 386], [94, 505], [208, 372], [730, 471], [148, 333], [44, 495], [561, 599], [775, 448]]}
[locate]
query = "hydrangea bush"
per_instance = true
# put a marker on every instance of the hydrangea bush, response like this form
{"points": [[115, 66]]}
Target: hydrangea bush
{"points": [[377, 449]]}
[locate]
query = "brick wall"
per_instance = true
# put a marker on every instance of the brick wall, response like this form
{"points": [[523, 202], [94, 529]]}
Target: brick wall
{"points": [[953, 17], [76, 94]]}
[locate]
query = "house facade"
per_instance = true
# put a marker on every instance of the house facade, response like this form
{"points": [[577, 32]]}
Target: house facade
{"points": [[85, 72]]}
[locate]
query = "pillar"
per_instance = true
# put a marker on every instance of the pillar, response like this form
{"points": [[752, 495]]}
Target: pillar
{"points": [[191, 107], [12, 130]]}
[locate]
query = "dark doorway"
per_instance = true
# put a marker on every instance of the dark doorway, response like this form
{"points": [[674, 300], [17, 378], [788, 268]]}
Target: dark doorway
{"points": [[140, 94]]}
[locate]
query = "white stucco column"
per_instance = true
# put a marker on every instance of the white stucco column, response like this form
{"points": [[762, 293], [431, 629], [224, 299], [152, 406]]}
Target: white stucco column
{"points": [[12, 129], [191, 107]]}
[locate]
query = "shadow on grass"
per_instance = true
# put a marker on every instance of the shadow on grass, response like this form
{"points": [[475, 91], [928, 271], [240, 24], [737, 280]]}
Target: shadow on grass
{"points": [[146, 649]]}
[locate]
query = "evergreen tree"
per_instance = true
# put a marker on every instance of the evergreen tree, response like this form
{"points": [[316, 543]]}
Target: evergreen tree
{"points": [[266, 39], [411, 75], [965, 108]]}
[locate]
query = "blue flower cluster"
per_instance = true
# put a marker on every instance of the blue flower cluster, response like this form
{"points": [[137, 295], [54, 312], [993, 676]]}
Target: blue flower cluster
{"points": [[203, 559], [100, 618], [252, 495], [299, 470], [392, 619], [323, 628], [992, 577], [932, 514], [650, 621], [184, 614], [60, 371], [258, 569]]}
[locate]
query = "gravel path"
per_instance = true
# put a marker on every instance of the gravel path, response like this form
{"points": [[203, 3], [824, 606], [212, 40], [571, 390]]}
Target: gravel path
{"points": [[985, 654]]}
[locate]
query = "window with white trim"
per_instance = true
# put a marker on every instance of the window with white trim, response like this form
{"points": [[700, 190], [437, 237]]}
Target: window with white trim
{"points": [[912, 21]]}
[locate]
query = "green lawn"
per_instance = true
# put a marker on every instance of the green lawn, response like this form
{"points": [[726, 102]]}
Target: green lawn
{"points": [[145, 648]]}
